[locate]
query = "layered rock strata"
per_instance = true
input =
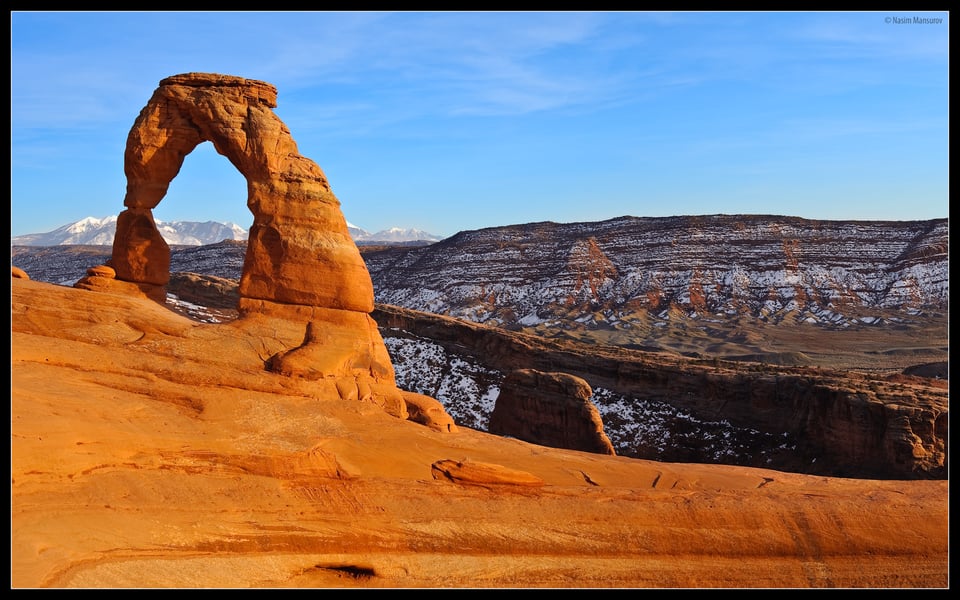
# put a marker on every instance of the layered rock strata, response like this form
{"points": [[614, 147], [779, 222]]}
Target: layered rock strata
{"points": [[631, 274], [846, 424], [299, 250]]}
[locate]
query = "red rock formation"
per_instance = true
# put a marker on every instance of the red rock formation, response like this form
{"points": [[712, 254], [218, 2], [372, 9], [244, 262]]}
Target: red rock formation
{"points": [[151, 451], [299, 251], [551, 409], [428, 411], [482, 474], [301, 264], [103, 278]]}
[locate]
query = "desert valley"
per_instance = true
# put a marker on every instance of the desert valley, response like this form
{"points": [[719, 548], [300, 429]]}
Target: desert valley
{"points": [[721, 401]]}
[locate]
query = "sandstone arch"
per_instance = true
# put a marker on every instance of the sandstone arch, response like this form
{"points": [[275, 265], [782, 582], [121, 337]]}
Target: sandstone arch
{"points": [[305, 289], [299, 251]]}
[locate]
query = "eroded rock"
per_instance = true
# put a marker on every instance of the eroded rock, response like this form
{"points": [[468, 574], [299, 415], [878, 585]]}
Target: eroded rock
{"points": [[300, 265], [479, 473], [551, 409], [299, 250], [839, 423], [428, 411]]}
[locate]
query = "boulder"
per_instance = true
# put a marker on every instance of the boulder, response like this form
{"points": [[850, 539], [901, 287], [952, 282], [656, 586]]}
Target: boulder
{"points": [[428, 411]]}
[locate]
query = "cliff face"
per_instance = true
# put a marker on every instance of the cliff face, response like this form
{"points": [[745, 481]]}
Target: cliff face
{"points": [[810, 420], [629, 273]]}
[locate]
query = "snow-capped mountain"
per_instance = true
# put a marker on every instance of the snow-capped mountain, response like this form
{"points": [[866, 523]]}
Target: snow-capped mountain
{"points": [[92, 231], [357, 233], [89, 231], [393, 234], [191, 233]]}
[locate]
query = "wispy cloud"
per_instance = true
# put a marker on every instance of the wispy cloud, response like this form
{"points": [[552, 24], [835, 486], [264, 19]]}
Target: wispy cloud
{"points": [[470, 63], [871, 35], [429, 97]]}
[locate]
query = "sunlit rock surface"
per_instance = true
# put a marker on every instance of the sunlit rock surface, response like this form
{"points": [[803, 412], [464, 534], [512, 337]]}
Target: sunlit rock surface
{"points": [[151, 450]]}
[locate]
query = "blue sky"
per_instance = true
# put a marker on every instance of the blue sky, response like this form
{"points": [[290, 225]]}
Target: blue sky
{"points": [[450, 121]]}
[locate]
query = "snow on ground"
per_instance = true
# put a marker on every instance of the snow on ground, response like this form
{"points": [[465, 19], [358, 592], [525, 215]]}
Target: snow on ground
{"points": [[657, 429], [467, 390], [636, 427], [195, 311]]}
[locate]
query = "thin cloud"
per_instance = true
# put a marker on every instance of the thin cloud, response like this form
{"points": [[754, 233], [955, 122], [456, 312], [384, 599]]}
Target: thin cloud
{"points": [[873, 36], [628, 98], [475, 64]]}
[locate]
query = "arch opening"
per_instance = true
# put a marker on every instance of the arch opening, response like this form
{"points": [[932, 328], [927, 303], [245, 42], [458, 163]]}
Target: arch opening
{"points": [[299, 252], [206, 191], [208, 188]]}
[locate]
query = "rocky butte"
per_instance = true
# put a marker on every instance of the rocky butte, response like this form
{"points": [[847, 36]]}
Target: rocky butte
{"points": [[152, 450]]}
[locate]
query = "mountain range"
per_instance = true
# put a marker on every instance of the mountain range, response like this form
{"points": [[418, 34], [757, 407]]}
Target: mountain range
{"points": [[95, 231], [392, 235]]}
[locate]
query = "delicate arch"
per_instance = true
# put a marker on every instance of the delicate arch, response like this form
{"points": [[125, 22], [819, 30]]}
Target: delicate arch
{"points": [[299, 249]]}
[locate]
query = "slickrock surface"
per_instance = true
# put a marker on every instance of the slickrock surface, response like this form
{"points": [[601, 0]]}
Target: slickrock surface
{"points": [[149, 450]]}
